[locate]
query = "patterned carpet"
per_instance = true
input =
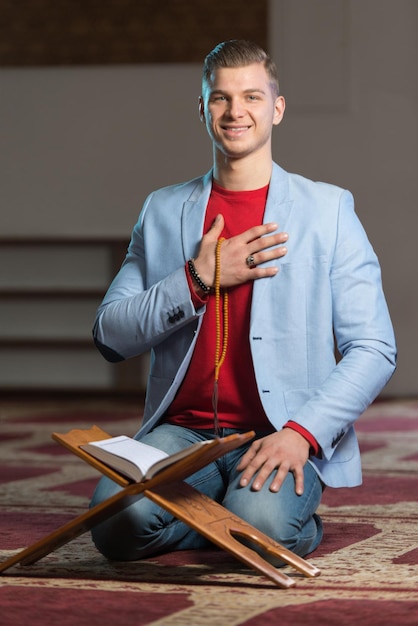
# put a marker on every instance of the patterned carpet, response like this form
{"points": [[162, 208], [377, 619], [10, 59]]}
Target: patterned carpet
{"points": [[368, 559]]}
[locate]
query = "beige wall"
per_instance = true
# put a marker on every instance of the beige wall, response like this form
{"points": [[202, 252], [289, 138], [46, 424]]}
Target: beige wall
{"points": [[81, 147], [349, 73]]}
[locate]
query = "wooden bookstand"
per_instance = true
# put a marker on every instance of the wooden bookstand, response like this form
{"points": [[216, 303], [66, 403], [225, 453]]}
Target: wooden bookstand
{"points": [[168, 490]]}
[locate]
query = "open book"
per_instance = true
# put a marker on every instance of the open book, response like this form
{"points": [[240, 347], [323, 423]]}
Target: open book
{"points": [[134, 459]]}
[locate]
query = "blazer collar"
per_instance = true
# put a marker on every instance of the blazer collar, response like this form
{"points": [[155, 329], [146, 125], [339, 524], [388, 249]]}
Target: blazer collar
{"points": [[279, 204], [278, 207], [193, 216]]}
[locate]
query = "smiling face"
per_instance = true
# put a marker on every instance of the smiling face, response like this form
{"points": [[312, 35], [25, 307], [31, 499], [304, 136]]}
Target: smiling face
{"points": [[240, 106]]}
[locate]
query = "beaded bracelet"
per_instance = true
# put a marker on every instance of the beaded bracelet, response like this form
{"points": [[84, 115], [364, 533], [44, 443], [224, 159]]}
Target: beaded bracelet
{"points": [[196, 277]]}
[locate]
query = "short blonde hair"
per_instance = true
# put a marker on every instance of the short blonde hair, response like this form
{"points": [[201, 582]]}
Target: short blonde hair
{"points": [[239, 53]]}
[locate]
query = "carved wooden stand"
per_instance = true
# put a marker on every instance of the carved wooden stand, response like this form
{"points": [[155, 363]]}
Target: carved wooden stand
{"points": [[167, 489]]}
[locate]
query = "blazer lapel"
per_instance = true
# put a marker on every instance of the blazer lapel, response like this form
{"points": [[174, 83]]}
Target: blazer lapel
{"points": [[279, 204], [193, 216], [278, 209]]}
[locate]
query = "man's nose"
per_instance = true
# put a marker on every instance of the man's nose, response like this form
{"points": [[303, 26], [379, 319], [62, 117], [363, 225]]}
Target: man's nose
{"points": [[236, 108]]}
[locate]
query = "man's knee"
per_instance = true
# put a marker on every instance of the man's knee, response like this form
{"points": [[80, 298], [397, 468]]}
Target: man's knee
{"points": [[122, 537], [279, 516], [125, 536]]}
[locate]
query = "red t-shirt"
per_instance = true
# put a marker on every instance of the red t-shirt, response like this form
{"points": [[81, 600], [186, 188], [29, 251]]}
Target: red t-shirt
{"points": [[239, 404]]}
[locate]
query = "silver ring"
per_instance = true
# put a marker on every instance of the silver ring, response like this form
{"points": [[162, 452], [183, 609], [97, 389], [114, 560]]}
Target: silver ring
{"points": [[250, 261]]}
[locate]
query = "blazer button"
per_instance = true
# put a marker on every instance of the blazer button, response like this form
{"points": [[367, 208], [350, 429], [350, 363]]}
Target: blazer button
{"points": [[176, 316]]}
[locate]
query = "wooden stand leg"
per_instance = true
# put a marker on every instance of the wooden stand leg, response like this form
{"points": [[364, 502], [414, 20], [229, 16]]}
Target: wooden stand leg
{"points": [[76, 527], [222, 528]]}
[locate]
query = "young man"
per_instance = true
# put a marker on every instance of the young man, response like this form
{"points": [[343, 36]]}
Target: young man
{"points": [[297, 271]]}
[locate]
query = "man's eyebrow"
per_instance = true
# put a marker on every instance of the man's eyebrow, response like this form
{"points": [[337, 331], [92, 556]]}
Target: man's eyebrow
{"points": [[222, 92], [255, 90]]}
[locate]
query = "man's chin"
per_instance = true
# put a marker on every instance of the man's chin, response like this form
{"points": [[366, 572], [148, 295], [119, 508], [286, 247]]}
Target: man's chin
{"points": [[235, 152]]}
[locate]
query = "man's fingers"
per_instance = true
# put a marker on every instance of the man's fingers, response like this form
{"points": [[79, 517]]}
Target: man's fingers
{"points": [[217, 226], [259, 231], [299, 481], [263, 243], [258, 258]]}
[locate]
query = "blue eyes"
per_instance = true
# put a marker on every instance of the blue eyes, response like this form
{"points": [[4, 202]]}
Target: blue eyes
{"points": [[249, 98]]}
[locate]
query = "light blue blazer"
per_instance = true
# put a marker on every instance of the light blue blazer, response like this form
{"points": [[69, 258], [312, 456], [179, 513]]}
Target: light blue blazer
{"points": [[328, 292]]}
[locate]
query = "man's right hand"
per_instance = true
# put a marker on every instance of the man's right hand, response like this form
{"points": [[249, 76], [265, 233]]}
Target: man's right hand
{"points": [[258, 242]]}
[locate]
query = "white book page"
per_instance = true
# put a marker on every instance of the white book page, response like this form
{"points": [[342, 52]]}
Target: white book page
{"points": [[141, 454]]}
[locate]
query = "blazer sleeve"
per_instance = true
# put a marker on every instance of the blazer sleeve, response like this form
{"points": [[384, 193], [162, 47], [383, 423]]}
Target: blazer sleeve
{"points": [[138, 311], [363, 334]]}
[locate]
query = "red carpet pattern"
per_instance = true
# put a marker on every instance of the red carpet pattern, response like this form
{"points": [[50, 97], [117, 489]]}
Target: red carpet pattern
{"points": [[368, 558]]}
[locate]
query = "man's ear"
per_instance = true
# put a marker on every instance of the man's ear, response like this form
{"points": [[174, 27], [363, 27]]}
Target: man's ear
{"points": [[201, 110], [279, 107]]}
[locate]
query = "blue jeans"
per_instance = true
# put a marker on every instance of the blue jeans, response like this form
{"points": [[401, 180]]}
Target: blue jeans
{"points": [[144, 529]]}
